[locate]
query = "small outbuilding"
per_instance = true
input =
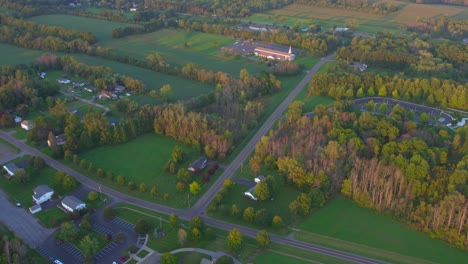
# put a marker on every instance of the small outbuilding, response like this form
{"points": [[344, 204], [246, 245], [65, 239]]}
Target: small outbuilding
{"points": [[35, 208]]}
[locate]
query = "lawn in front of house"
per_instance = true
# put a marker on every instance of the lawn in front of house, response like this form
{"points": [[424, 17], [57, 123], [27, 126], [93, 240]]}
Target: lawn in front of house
{"points": [[52, 217], [344, 225], [142, 160]]}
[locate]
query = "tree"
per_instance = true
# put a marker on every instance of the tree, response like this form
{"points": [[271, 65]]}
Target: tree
{"points": [[86, 222], [180, 186], [234, 240], [131, 185], [68, 231], [143, 187], [92, 195], [120, 236], [120, 180], [89, 246], [262, 217], [168, 258], [249, 214], [277, 221], [424, 118], [261, 191], [182, 236], [178, 155], [184, 175], [235, 210], [108, 212], [174, 220], [195, 234], [154, 191], [142, 227], [294, 111], [166, 92], [195, 188], [197, 222], [263, 239]]}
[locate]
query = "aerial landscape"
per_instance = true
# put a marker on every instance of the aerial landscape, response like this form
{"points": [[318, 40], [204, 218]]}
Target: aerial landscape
{"points": [[242, 131]]}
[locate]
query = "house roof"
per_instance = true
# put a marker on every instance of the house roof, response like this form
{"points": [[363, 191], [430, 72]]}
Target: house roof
{"points": [[11, 168], [40, 190], [27, 122], [71, 201], [199, 163], [259, 178], [61, 137], [272, 52]]}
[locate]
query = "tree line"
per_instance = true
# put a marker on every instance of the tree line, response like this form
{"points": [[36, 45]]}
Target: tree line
{"points": [[437, 92], [381, 8]]}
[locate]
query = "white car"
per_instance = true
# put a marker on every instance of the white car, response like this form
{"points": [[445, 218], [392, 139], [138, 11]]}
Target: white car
{"points": [[57, 261]]}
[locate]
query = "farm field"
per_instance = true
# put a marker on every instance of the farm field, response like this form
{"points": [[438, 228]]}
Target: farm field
{"points": [[370, 23], [143, 160], [182, 88], [385, 239], [202, 49], [102, 29]]}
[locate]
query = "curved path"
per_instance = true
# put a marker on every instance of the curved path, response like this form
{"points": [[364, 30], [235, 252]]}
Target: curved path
{"points": [[203, 202], [214, 255], [103, 107]]}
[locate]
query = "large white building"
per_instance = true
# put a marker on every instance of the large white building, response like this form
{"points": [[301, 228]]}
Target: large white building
{"points": [[274, 54]]}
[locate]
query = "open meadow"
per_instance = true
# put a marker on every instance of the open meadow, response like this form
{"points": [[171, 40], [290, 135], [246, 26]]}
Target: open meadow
{"points": [[102, 29], [369, 23], [344, 225], [178, 47]]}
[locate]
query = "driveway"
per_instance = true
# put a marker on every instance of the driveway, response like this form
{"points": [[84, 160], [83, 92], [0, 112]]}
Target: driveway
{"points": [[22, 223]]}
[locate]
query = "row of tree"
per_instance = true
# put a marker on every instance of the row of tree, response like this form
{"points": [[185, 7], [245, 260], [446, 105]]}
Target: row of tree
{"points": [[381, 8]]}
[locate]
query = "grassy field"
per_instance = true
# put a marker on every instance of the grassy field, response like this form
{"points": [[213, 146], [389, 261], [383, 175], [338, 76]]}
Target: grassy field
{"points": [[201, 49], [143, 160], [370, 23], [52, 217], [344, 225], [12, 55], [102, 29]]}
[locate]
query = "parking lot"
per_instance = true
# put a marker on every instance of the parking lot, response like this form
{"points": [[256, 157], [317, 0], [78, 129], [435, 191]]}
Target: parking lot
{"points": [[123, 224]]}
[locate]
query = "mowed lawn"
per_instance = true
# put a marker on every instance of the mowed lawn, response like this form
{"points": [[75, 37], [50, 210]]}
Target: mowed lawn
{"points": [[343, 224], [201, 48], [12, 55], [102, 29], [143, 160]]}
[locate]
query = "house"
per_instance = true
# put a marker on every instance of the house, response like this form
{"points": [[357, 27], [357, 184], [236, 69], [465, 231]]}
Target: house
{"points": [[340, 29], [18, 119], [259, 178], [42, 193], [11, 168], [27, 125], [119, 89], [63, 81], [113, 121], [42, 75], [465, 41], [250, 193], [198, 165], [72, 204], [274, 54], [35, 208], [105, 94], [90, 89], [60, 140]]}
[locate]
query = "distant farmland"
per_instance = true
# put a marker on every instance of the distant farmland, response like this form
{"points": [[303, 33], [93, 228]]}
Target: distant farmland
{"points": [[371, 23], [179, 47], [101, 28]]}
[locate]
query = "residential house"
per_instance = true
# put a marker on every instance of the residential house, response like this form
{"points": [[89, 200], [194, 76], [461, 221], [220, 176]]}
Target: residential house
{"points": [[60, 139], [273, 54], [250, 192], [63, 81], [113, 121], [198, 165], [18, 119], [119, 89], [42, 193], [465, 41], [72, 204], [27, 125], [35, 208], [103, 94], [340, 29], [11, 168], [90, 89]]}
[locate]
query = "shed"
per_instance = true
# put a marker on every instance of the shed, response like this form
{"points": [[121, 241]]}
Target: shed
{"points": [[35, 208]]}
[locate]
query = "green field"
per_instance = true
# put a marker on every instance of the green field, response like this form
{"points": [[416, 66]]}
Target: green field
{"points": [[269, 257], [102, 29], [344, 225], [12, 55], [202, 50], [143, 160]]}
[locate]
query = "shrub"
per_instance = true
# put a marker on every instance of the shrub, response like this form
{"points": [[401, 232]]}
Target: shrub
{"points": [[93, 195]]}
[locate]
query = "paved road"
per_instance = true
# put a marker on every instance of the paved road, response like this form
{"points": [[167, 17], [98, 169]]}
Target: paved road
{"points": [[204, 201], [20, 222]]}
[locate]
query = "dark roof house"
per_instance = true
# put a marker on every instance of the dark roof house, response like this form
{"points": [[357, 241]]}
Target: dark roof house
{"points": [[198, 165], [71, 203]]}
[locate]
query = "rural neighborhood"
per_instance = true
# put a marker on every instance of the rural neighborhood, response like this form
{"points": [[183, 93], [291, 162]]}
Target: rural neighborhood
{"points": [[179, 132]]}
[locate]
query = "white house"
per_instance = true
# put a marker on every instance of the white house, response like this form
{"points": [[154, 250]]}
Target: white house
{"points": [[250, 192], [71, 204], [18, 119], [63, 81], [27, 125], [42, 193], [10, 168]]}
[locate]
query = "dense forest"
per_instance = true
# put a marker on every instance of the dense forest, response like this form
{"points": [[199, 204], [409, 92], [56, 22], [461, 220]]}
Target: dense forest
{"points": [[412, 54], [417, 174]]}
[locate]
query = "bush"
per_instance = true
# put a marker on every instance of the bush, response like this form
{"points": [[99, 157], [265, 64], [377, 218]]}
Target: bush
{"points": [[93, 195], [142, 227], [108, 212]]}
